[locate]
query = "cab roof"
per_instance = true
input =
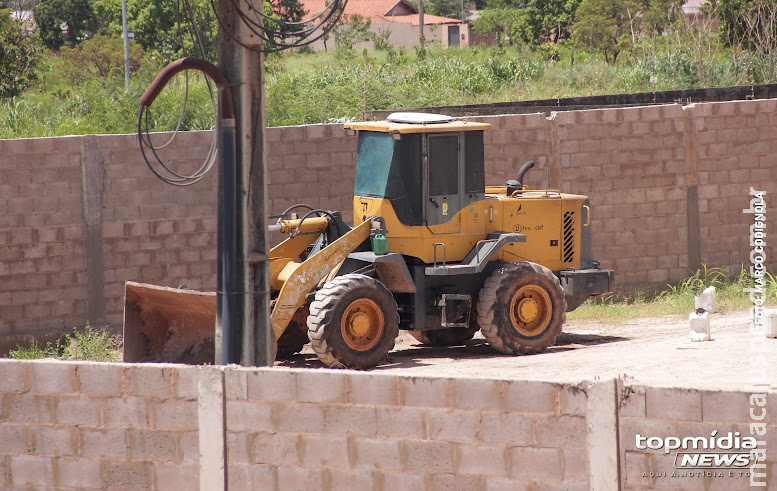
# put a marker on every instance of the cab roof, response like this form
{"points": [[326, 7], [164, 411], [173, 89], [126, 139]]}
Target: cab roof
{"points": [[401, 123]]}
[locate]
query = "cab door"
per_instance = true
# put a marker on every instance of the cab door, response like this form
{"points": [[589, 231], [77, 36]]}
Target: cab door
{"points": [[443, 162]]}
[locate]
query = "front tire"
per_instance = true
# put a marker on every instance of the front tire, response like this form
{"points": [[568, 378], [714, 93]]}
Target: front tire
{"points": [[353, 322], [521, 309]]}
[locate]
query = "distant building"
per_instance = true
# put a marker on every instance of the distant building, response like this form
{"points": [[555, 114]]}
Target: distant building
{"points": [[399, 20]]}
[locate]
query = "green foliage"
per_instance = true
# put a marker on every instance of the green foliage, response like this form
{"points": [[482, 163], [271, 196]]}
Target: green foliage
{"points": [[446, 8], [156, 26], [34, 351], [506, 25], [545, 21], [287, 11], [97, 58], [19, 56], [51, 14], [352, 30], [85, 344]]}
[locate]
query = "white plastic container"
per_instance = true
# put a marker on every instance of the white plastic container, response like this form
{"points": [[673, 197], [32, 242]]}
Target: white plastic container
{"points": [[771, 323], [707, 300], [700, 326]]}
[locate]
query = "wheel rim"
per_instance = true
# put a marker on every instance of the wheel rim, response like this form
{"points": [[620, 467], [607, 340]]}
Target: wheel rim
{"points": [[530, 310], [362, 324]]}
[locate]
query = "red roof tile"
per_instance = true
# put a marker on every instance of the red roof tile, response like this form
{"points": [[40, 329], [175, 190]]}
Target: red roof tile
{"points": [[379, 11]]}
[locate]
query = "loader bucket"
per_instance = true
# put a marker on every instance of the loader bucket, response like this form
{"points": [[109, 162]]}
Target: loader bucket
{"points": [[168, 325]]}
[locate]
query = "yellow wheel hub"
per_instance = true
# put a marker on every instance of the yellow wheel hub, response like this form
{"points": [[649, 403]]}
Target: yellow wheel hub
{"points": [[362, 324], [530, 310]]}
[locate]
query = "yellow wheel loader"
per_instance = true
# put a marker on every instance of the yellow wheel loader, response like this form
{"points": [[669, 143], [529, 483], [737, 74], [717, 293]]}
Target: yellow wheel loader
{"points": [[433, 251]]}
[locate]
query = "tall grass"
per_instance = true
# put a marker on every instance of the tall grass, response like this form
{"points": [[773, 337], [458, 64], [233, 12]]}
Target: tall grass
{"points": [[677, 299], [304, 88]]}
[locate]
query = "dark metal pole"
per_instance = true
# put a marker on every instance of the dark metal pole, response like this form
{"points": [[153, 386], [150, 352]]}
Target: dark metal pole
{"points": [[244, 68]]}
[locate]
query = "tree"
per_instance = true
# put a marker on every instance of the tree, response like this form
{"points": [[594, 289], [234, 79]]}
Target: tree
{"points": [[546, 20], [156, 25], [447, 8], [52, 15], [19, 56], [505, 25], [751, 24], [287, 11], [606, 25], [97, 58]]}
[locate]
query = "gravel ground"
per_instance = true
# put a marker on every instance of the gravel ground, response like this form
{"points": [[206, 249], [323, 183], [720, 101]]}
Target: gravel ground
{"points": [[648, 351]]}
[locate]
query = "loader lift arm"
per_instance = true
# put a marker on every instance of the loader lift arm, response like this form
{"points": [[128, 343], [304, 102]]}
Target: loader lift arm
{"points": [[295, 280]]}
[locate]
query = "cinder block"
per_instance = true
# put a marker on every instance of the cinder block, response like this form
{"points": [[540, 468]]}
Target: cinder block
{"points": [[14, 439], [726, 407], [531, 397], [472, 393], [497, 484], [456, 482], [426, 392], [537, 463], [153, 445], [401, 422], [673, 404], [175, 414], [103, 443], [275, 448], [403, 481], [572, 400], [78, 410], [248, 416], [351, 479], [53, 377], [510, 428], [575, 465], [350, 420], [78, 473], [127, 474], [427, 456], [126, 412], [189, 445], [32, 471], [454, 426], [487, 460], [28, 408], [242, 476], [562, 431], [632, 402], [53, 441], [176, 476], [16, 376], [148, 381], [324, 451], [322, 386], [372, 453], [372, 388], [298, 418], [299, 478], [272, 385], [185, 382]]}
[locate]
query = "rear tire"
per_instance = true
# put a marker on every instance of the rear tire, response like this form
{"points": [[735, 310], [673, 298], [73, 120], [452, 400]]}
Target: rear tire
{"points": [[353, 322], [521, 308]]}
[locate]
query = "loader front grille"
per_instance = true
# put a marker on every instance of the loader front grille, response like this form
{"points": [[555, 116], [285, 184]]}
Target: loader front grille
{"points": [[568, 242]]}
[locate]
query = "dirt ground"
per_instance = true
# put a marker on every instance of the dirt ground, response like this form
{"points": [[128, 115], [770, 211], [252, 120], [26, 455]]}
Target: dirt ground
{"points": [[650, 351]]}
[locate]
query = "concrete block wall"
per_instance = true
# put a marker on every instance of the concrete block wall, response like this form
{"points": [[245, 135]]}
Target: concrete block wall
{"points": [[100, 425], [349, 430], [83, 214], [679, 412], [90, 425]]}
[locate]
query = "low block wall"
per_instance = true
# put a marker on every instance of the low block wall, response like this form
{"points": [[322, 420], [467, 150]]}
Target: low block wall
{"points": [[76, 425], [80, 215]]}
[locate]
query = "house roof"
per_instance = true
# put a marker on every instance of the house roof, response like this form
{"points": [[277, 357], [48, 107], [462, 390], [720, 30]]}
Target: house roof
{"points": [[379, 11]]}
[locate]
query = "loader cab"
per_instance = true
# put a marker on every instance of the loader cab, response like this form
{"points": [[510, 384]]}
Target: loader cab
{"points": [[428, 166]]}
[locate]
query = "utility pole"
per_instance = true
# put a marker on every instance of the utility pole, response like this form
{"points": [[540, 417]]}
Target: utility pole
{"points": [[421, 22], [244, 69], [125, 35]]}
